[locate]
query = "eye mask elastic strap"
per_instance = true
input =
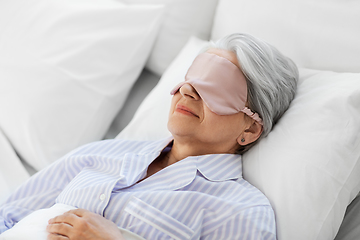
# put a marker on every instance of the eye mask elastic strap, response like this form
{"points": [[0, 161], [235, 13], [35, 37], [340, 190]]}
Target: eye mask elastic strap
{"points": [[253, 115]]}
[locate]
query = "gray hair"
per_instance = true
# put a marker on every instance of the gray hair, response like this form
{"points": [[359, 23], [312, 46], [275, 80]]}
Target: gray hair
{"points": [[271, 77]]}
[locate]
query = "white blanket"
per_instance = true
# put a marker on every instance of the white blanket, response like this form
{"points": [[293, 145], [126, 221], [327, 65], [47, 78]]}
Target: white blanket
{"points": [[34, 225]]}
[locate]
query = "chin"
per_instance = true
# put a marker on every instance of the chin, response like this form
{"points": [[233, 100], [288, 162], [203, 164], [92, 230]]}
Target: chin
{"points": [[179, 130]]}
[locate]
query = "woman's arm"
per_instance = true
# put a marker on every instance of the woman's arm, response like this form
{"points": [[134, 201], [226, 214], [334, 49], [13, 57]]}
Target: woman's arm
{"points": [[40, 191]]}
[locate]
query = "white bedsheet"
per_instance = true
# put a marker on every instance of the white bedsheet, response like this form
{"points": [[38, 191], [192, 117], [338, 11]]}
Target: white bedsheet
{"points": [[12, 172]]}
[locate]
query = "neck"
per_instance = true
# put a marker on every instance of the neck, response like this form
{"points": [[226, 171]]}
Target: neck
{"points": [[181, 150]]}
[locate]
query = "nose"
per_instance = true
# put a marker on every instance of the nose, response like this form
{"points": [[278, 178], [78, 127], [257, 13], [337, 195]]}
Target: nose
{"points": [[188, 91]]}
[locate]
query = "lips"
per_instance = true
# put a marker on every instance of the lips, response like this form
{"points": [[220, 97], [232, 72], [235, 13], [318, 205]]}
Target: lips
{"points": [[185, 110]]}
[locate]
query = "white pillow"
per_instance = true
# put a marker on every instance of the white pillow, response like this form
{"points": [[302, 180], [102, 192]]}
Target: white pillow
{"points": [[320, 35], [308, 166], [66, 67], [182, 19]]}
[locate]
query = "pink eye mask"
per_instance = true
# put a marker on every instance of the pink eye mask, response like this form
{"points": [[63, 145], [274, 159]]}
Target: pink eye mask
{"points": [[220, 84]]}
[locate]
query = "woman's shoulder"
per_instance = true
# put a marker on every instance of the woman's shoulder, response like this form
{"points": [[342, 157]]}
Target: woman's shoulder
{"points": [[257, 196], [240, 194]]}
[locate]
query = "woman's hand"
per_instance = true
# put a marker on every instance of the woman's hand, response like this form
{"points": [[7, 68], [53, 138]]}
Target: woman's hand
{"points": [[80, 224]]}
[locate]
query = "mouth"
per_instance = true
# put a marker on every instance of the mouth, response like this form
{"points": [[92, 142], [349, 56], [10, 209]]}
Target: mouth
{"points": [[185, 110]]}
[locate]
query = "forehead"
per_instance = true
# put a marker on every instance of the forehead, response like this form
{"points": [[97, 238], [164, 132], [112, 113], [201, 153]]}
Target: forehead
{"points": [[231, 56]]}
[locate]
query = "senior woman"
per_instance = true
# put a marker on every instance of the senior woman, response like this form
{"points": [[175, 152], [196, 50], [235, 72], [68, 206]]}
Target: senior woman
{"points": [[189, 186]]}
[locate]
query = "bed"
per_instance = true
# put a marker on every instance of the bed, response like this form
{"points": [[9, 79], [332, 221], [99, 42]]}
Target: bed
{"points": [[75, 71]]}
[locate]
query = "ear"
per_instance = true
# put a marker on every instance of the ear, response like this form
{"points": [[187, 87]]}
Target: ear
{"points": [[251, 134]]}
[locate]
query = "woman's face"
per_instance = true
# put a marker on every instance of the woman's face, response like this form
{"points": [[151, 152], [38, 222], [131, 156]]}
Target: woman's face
{"points": [[192, 122]]}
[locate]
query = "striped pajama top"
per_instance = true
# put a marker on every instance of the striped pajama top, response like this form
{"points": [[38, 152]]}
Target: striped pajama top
{"points": [[199, 197]]}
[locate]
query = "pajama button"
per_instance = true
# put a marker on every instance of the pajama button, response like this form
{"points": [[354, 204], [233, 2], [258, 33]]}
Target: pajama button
{"points": [[102, 197]]}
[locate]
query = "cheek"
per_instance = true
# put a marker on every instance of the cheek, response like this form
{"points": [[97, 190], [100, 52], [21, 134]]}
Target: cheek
{"points": [[227, 125]]}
